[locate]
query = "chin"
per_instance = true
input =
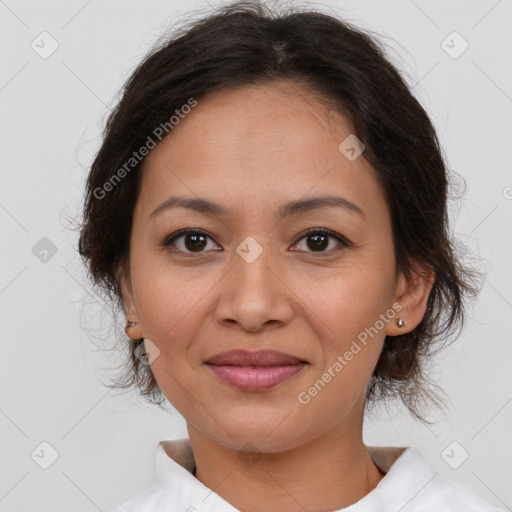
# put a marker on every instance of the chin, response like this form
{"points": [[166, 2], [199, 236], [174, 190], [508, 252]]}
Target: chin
{"points": [[254, 433], [259, 444]]}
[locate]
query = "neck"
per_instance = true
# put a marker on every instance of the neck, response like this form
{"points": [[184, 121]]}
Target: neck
{"points": [[325, 474]]}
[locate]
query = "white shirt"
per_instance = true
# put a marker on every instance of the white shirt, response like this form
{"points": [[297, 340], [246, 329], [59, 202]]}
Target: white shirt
{"points": [[408, 485]]}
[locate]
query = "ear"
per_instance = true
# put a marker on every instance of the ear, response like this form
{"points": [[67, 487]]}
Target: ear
{"points": [[125, 286], [412, 294]]}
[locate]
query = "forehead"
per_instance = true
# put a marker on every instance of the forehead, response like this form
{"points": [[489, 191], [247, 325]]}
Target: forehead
{"points": [[275, 119], [257, 143]]}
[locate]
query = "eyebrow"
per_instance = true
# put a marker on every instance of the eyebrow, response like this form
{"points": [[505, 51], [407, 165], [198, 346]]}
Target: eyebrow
{"points": [[208, 207]]}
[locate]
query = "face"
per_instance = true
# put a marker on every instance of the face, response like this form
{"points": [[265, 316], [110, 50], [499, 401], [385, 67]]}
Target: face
{"points": [[250, 278]]}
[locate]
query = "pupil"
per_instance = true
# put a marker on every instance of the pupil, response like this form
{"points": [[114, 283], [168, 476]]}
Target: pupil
{"points": [[198, 241], [319, 241], [194, 245]]}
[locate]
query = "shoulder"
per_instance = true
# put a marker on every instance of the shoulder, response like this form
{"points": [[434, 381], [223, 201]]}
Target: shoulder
{"points": [[444, 495], [143, 502], [412, 486]]}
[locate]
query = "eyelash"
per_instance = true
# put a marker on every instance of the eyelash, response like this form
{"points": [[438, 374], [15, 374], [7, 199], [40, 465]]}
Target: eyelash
{"points": [[168, 240]]}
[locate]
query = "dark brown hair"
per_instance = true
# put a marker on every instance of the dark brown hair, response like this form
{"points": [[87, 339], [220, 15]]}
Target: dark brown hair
{"points": [[249, 43]]}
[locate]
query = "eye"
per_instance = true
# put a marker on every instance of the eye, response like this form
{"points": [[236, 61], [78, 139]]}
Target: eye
{"points": [[318, 240], [190, 241], [193, 240]]}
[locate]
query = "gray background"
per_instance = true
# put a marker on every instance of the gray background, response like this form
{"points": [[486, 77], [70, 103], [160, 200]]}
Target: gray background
{"points": [[51, 114]]}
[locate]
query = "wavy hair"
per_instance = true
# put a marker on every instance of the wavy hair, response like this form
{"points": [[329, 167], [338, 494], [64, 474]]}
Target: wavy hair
{"points": [[246, 43]]}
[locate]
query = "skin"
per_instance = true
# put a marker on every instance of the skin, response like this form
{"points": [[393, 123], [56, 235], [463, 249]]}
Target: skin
{"points": [[253, 149]]}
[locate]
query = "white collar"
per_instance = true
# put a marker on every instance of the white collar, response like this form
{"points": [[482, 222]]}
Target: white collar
{"points": [[405, 469]]}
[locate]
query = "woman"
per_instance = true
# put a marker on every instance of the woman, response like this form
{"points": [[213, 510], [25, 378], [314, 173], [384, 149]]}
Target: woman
{"points": [[268, 208]]}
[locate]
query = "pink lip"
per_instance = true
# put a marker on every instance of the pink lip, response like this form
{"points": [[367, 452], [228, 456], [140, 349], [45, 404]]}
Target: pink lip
{"points": [[241, 357], [256, 378], [255, 371]]}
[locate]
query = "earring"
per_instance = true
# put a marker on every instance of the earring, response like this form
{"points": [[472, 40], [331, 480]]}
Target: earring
{"points": [[129, 324], [400, 322]]}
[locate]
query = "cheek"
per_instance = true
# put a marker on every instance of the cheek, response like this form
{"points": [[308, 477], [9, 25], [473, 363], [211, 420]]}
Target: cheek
{"points": [[345, 312], [170, 299], [347, 302], [172, 305]]}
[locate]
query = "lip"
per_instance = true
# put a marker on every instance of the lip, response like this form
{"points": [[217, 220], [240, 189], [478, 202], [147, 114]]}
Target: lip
{"points": [[255, 371], [241, 357]]}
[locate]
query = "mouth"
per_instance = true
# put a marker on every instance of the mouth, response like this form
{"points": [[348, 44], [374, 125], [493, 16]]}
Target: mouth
{"points": [[255, 371]]}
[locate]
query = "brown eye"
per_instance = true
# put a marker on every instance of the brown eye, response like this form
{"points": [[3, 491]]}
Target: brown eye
{"points": [[188, 241], [319, 241], [195, 242]]}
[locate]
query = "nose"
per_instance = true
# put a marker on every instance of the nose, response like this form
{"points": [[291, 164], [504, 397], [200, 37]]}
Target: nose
{"points": [[255, 295]]}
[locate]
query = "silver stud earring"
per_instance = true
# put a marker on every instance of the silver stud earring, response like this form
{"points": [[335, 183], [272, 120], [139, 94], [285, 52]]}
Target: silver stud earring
{"points": [[400, 322]]}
